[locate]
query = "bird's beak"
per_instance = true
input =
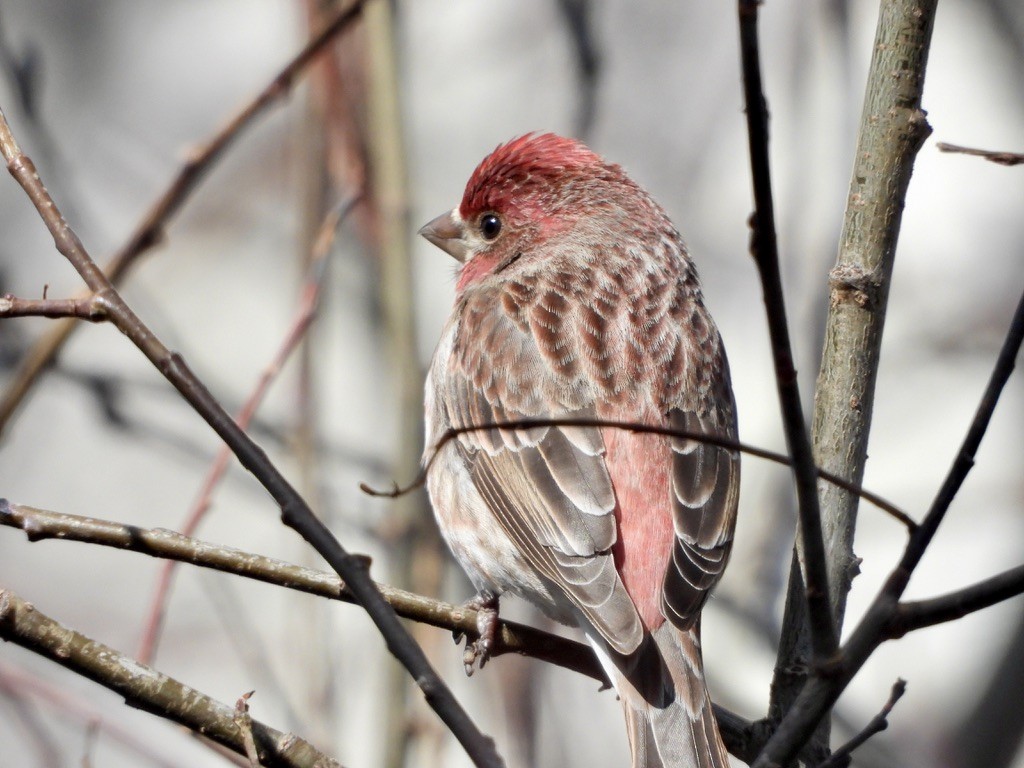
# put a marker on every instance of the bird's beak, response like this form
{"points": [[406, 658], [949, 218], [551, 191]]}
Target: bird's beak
{"points": [[448, 234]]}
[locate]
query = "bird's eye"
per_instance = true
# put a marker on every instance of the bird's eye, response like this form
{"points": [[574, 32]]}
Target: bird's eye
{"points": [[490, 226]]}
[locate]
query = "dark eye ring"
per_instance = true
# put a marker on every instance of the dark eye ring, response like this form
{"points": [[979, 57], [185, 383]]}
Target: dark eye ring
{"points": [[490, 226]]}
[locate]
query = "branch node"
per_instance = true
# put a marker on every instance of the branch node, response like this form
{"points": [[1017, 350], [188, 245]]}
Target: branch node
{"points": [[850, 283]]}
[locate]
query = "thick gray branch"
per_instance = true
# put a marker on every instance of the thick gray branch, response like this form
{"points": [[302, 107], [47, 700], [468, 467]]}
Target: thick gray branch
{"points": [[892, 130]]}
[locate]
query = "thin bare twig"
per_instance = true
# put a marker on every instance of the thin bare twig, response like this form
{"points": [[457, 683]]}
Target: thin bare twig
{"points": [[83, 308], [309, 301], [955, 605], [295, 513], [1000, 158], [512, 637], [841, 757], [764, 249], [150, 230], [243, 720], [722, 442]]}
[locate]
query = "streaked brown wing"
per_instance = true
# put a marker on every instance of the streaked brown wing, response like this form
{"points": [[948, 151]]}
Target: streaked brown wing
{"points": [[547, 487], [705, 492]]}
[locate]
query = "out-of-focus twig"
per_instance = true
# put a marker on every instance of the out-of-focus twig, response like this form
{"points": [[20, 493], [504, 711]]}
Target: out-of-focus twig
{"points": [[295, 512], [151, 229], [309, 301], [416, 558], [25, 625], [30, 726], [71, 706], [1000, 158], [578, 16]]}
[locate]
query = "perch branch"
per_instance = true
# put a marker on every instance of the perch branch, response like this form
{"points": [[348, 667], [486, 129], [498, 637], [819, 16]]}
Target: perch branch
{"points": [[40, 525]]}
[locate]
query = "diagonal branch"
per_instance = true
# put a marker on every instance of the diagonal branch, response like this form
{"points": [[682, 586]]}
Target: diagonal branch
{"points": [[955, 605], [294, 511], [150, 230], [23, 624]]}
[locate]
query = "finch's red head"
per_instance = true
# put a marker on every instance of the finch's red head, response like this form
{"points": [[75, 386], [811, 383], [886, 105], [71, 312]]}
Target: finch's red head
{"points": [[526, 172], [534, 190]]}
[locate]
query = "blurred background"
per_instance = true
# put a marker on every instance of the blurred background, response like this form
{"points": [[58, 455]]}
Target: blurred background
{"points": [[110, 96]]}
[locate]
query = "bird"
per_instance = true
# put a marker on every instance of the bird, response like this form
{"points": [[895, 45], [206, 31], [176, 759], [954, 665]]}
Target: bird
{"points": [[577, 304]]}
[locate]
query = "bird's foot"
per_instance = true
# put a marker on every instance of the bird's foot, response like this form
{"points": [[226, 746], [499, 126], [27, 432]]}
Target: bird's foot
{"points": [[478, 651]]}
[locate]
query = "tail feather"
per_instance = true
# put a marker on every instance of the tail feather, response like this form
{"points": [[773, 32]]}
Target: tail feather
{"points": [[668, 712]]}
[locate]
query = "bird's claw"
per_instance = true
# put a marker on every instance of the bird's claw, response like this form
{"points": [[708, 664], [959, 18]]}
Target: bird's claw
{"points": [[479, 650]]}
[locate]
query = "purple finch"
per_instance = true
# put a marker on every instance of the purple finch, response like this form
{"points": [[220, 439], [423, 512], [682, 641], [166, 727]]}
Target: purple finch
{"points": [[576, 299]]}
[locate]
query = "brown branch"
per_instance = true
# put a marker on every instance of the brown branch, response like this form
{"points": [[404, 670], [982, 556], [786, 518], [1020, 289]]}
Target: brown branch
{"points": [[512, 637], [308, 303], [764, 249], [955, 605], [23, 624], [841, 757], [82, 308], [1000, 158], [151, 229], [722, 442], [295, 513]]}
